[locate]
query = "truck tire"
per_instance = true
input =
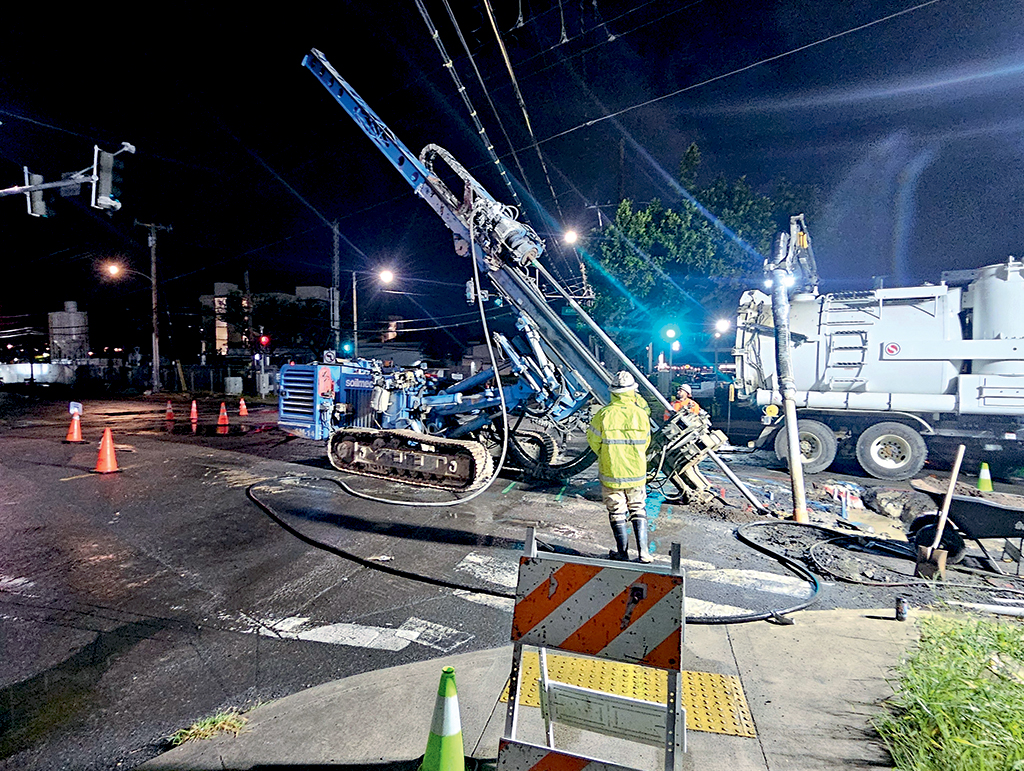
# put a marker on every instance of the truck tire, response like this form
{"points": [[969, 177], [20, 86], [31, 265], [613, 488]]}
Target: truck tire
{"points": [[817, 445], [891, 451]]}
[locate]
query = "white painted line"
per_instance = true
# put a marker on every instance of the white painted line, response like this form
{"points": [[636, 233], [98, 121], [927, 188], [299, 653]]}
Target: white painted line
{"points": [[355, 635], [502, 571], [695, 607], [507, 604], [432, 635], [14, 584], [772, 583]]}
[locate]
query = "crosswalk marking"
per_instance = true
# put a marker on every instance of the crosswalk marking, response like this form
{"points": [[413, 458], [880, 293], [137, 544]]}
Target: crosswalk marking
{"points": [[414, 630], [502, 571]]}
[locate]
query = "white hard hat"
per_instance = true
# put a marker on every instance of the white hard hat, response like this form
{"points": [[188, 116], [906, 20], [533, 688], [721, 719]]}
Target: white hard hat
{"points": [[686, 388], [623, 382]]}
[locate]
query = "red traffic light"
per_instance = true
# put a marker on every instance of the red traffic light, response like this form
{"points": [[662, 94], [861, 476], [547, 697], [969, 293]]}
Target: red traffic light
{"points": [[264, 340]]}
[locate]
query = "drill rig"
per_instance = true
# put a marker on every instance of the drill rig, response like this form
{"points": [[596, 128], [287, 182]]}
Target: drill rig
{"points": [[399, 424]]}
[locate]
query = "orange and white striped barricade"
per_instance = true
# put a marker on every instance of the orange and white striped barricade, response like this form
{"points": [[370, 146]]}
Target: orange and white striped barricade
{"points": [[522, 756], [632, 613]]}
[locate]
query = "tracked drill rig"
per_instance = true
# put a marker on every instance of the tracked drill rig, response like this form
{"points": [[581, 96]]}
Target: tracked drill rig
{"points": [[400, 424]]}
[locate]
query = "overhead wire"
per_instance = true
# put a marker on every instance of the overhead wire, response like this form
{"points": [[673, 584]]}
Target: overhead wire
{"points": [[522, 107], [739, 70], [461, 89]]}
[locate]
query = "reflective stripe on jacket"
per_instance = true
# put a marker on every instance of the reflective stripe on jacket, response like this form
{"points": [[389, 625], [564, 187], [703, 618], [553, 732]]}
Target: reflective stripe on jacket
{"points": [[619, 434]]}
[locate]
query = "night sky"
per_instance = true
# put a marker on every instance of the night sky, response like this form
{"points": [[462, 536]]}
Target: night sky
{"points": [[911, 128]]}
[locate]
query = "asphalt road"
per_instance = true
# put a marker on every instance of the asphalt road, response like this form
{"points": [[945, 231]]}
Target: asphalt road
{"points": [[220, 570]]}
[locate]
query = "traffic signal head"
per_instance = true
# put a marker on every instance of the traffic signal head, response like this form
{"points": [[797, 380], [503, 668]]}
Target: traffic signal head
{"points": [[36, 204], [264, 340], [106, 189], [670, 332]]}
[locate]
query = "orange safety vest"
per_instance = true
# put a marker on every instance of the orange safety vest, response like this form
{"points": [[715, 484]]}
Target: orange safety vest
{"points": [[679, 404]]}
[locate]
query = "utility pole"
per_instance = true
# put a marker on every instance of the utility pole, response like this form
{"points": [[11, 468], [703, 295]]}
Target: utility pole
{"points": [[152, 279], [336, 289]]}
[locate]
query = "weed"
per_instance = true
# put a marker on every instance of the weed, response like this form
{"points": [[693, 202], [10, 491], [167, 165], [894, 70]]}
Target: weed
{"points": [[959, 700], [229, 721]]}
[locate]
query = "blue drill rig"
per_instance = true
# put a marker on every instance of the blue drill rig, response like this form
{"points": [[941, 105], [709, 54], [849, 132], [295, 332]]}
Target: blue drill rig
{"points": [[400, 424]]}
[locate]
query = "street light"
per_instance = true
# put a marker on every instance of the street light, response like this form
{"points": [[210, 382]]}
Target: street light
{"points": [[385, 277], [116, 270]]}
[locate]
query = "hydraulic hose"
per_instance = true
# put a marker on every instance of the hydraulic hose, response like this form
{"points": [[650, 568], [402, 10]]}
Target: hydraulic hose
{"points": [[776, 615]]}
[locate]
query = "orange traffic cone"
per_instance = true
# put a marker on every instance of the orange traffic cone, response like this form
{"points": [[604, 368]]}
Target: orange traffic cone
{"points": [[170, 411], [222, 420], [106, 463], [194, 415], [74, 430], [242, 411]]}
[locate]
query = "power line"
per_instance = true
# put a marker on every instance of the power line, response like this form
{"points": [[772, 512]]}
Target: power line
{"points": [[739, 70]]}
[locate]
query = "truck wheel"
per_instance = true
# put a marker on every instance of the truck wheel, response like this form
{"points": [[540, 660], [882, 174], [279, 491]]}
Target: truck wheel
{"points": [[817, 445], [891, 451]]}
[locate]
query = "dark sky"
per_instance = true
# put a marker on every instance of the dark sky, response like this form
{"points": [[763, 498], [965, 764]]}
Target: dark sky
{"points": [[911, 127]]}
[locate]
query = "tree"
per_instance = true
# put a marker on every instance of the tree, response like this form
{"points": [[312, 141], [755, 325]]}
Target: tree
{"points": [[686, 264]]}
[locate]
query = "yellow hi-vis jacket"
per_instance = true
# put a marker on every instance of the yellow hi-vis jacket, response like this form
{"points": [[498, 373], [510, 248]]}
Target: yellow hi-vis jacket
{"points": [[619, 434]]}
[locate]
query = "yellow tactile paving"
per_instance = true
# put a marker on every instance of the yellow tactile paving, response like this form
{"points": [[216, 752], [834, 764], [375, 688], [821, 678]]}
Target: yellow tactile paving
{"points": [[714, 703]]}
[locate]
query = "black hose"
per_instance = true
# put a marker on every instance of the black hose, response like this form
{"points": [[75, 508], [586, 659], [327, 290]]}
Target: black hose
{"points": [[269, 511], [777, 615]]}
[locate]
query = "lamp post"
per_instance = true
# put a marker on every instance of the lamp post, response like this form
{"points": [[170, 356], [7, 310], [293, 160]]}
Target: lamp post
{"points": [[116, 270], [385, 277], [721, 327]]}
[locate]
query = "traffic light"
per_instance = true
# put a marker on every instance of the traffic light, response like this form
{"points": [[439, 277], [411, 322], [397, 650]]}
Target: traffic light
{"points": [[36, 204], [670, 332], [264, 341], [107, 169]]}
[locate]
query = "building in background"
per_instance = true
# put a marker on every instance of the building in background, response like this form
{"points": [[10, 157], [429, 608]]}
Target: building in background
{"points": [[69, 335]]}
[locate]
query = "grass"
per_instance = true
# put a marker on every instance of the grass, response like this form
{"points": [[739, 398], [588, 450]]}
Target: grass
{"points": [[959, 700], [230, 721]]}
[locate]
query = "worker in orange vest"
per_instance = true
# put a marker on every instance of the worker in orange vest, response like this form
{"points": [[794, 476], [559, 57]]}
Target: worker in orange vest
{"points": [[684, 401]]}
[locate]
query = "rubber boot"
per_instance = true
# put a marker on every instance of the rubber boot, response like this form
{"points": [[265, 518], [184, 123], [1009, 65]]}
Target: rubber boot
{"points": [[621, 532], [640, 530]]}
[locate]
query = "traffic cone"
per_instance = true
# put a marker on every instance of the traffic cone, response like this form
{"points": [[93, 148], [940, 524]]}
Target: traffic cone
{"points": [[74, 430], [445, 751], [243, 412], [170, 411], [194, 415], [223, 419], [106, 463], [985, 479]]}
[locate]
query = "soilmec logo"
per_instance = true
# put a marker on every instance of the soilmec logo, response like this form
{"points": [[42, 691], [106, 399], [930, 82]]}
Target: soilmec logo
{"points": [[892, 349], [352, 382]]}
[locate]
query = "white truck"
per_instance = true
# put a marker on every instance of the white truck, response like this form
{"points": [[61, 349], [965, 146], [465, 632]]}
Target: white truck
{"points": [[889, 374]]}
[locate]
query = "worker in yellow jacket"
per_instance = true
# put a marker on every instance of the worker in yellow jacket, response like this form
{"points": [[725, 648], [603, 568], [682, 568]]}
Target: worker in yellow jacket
{"points": [[619, 434]]}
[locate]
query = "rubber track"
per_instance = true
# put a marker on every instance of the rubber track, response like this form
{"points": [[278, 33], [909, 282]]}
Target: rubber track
{"points": [[483, 463]]}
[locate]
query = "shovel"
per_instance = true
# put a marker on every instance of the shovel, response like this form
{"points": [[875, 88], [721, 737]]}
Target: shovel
{"points": [[931, 560]]}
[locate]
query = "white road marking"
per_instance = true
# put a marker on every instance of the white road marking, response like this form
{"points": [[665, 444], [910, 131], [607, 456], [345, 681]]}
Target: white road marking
{"points": [[14, 584], [695, 607], [772, 583], [355, 635], [414, 630], [432, 635], [501, 603], [501, 571]]}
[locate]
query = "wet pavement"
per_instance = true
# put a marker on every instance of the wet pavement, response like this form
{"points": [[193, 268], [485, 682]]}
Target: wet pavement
{"points": [[222, 569]]}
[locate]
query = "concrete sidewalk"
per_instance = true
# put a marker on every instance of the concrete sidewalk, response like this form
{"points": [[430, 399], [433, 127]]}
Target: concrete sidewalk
{"points": [[812, 689]]}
